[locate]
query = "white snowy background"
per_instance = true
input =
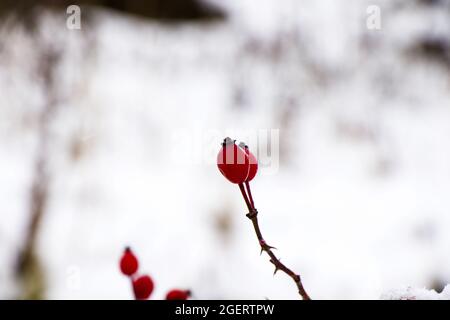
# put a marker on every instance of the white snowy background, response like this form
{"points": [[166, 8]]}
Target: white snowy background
{"points": [[360, 205]]}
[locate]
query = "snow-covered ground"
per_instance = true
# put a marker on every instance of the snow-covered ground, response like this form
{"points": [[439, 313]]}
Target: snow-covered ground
{"points": [[359, 206]]}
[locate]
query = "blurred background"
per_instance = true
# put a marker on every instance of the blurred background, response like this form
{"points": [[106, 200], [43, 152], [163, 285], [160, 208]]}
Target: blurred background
{"points": [[108, 135]]}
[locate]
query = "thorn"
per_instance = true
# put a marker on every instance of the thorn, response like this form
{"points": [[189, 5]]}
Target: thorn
{"points": [[265, 246], [276, 270]]}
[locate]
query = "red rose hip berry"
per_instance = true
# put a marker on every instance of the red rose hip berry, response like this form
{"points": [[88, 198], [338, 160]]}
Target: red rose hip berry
{"points": [[143, 287], [253, 162], [128, 263], [233, 162], [177, 294]]}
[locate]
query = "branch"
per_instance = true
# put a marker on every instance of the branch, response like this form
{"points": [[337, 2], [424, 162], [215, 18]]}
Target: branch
{"points": [[253, 216], [29, 269]]}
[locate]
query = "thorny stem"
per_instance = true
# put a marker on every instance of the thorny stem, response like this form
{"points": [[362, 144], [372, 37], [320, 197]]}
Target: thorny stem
{"points": [[253, 216], [249, 191], [241, 187]]}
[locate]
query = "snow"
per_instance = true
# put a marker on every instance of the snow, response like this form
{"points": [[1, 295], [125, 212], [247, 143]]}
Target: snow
{"points": [[359, 205], [417, 294]]}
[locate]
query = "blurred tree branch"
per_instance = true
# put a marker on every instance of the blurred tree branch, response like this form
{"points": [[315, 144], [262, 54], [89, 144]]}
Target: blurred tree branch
{"points": [[29, 270], [165, 10]]}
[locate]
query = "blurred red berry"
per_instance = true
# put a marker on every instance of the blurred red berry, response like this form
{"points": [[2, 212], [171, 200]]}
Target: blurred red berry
{"points": [[128, 263], [177, 294], [143, 287], [233, 162]]}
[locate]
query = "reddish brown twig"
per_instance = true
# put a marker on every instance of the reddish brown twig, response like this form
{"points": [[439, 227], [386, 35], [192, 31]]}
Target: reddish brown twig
{"points": [[253, 216], [247, 202], [249, 191]]}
